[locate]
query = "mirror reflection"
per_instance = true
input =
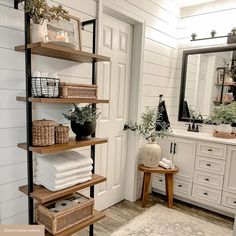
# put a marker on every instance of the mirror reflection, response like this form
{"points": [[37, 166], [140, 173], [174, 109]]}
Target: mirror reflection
{"points": [[210, 80]]}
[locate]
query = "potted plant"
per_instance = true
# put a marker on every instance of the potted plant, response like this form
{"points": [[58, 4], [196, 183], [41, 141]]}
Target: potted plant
{"points": [[39, 11], [83, 121], [150, 153], [224, 116]]}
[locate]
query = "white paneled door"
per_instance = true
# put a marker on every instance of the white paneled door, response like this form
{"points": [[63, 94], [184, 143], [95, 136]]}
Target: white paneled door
{"points": [[114, 84]]}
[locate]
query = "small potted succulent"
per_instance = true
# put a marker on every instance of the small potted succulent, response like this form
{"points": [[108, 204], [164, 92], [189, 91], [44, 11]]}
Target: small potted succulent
{"points": [[150, 153], [83, 121], [224, 116], [39, 11]]}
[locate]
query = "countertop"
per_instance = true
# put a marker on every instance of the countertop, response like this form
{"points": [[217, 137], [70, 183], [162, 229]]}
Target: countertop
{"points": [[202, 136]]}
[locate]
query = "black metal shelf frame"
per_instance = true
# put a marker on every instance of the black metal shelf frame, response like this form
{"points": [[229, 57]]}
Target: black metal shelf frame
{"points": [[29, 110]]}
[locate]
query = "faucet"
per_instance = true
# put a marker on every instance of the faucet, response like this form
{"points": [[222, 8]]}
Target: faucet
{"points": [[193, 127]]}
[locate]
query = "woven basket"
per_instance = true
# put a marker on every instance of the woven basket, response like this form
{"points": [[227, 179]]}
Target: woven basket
{"points": [[56, 222], [225, 135], [43, 132], [62, 134], [71, 90]]}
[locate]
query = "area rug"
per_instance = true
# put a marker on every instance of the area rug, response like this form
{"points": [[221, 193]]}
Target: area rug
{"points": [[162, 221]]}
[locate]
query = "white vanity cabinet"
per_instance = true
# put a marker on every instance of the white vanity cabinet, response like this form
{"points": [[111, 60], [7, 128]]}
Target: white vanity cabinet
{"points": [[207, 170], [182, 152], [229, 189]]}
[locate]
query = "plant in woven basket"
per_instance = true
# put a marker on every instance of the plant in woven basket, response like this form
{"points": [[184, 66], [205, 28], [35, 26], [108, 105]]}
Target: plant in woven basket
{"points": [[83, 120]]}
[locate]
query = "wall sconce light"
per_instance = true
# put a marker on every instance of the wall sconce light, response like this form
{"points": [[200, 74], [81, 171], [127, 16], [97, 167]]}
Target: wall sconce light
{"points": [[231, 37], [194, 35], [213, 33]]}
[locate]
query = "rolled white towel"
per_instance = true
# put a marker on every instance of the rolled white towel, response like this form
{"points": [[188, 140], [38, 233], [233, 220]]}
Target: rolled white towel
{"points": [[164, 165], [166, 161]]}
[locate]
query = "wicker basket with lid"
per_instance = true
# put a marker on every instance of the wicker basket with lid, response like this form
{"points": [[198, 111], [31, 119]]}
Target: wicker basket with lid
{"points": [[62, 134], [43, 132]]}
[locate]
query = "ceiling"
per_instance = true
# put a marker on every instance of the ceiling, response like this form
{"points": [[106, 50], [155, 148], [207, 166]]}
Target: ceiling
{"points": [[187, 3]]}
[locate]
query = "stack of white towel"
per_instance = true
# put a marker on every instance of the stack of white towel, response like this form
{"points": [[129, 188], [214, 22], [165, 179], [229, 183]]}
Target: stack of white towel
{"points": [[167, 164], [61, 171]]}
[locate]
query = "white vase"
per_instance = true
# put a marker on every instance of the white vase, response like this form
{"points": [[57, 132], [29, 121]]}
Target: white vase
{"points": [[37, 34], [150, 154], [227, 128]]}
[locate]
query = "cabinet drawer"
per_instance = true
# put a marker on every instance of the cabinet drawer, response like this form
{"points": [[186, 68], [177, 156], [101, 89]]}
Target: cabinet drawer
{"points": [[208, 179], [209, 164], [182, 186], [229, 200], [159, 182], [214, 150], [206, 193]]}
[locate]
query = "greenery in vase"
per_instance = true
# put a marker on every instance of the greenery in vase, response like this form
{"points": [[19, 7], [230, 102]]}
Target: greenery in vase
{"points": [[81, 115], [39, 11], [147, 128], [224, 114]]}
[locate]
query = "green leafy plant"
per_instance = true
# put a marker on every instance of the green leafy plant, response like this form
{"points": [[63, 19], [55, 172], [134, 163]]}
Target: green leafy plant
{"points": [[149, 121], [39, 11], [224, 114], [81, 115]]}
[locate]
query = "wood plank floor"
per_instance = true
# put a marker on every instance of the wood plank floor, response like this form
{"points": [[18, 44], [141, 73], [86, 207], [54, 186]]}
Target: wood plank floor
{"points": [[121, 213]]}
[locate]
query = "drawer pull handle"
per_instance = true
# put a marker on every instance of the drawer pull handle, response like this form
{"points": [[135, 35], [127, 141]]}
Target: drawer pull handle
{"points": [[207, 179], [208, 164], [160, 180], [205, 194], [209, 150], [234, 202], [180, 185]]}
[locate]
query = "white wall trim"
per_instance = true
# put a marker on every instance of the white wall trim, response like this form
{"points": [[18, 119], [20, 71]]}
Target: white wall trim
{"points": [[105, 6]]}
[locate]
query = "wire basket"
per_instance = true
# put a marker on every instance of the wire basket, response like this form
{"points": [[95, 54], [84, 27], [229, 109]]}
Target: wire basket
{"points": [[43, 87]]}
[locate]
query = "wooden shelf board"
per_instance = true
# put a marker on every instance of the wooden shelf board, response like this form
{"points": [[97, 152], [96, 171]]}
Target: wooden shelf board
{"points": [[62, 100], [43, 195], [62, 147], [233, 84], [97, 215], [55, 51]]}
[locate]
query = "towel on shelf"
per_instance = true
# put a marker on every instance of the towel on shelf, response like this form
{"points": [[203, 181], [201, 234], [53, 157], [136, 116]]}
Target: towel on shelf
{"points": [[64, 174], [60, 163], [54, 188], [52, 181], [59, 171]]}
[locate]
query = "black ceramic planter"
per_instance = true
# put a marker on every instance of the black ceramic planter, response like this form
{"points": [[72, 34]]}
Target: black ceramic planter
{"points": [[83, 132]]}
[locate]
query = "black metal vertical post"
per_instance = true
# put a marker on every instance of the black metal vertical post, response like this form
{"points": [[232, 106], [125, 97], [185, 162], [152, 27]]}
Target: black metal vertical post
{"points": [[16, 4], [94, 81], [223, 86], [29, 119]]}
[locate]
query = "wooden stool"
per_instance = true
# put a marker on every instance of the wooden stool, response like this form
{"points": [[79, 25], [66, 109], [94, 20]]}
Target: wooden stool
{"points": [[169, 182]]}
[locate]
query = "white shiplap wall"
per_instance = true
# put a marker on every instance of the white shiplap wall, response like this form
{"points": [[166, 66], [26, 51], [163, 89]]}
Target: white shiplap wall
{"points": [[202, 19], [160, 57]]}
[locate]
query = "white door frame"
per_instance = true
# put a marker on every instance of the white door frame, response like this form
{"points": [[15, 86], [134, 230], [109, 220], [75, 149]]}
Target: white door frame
{"points": [[110, 8]]}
